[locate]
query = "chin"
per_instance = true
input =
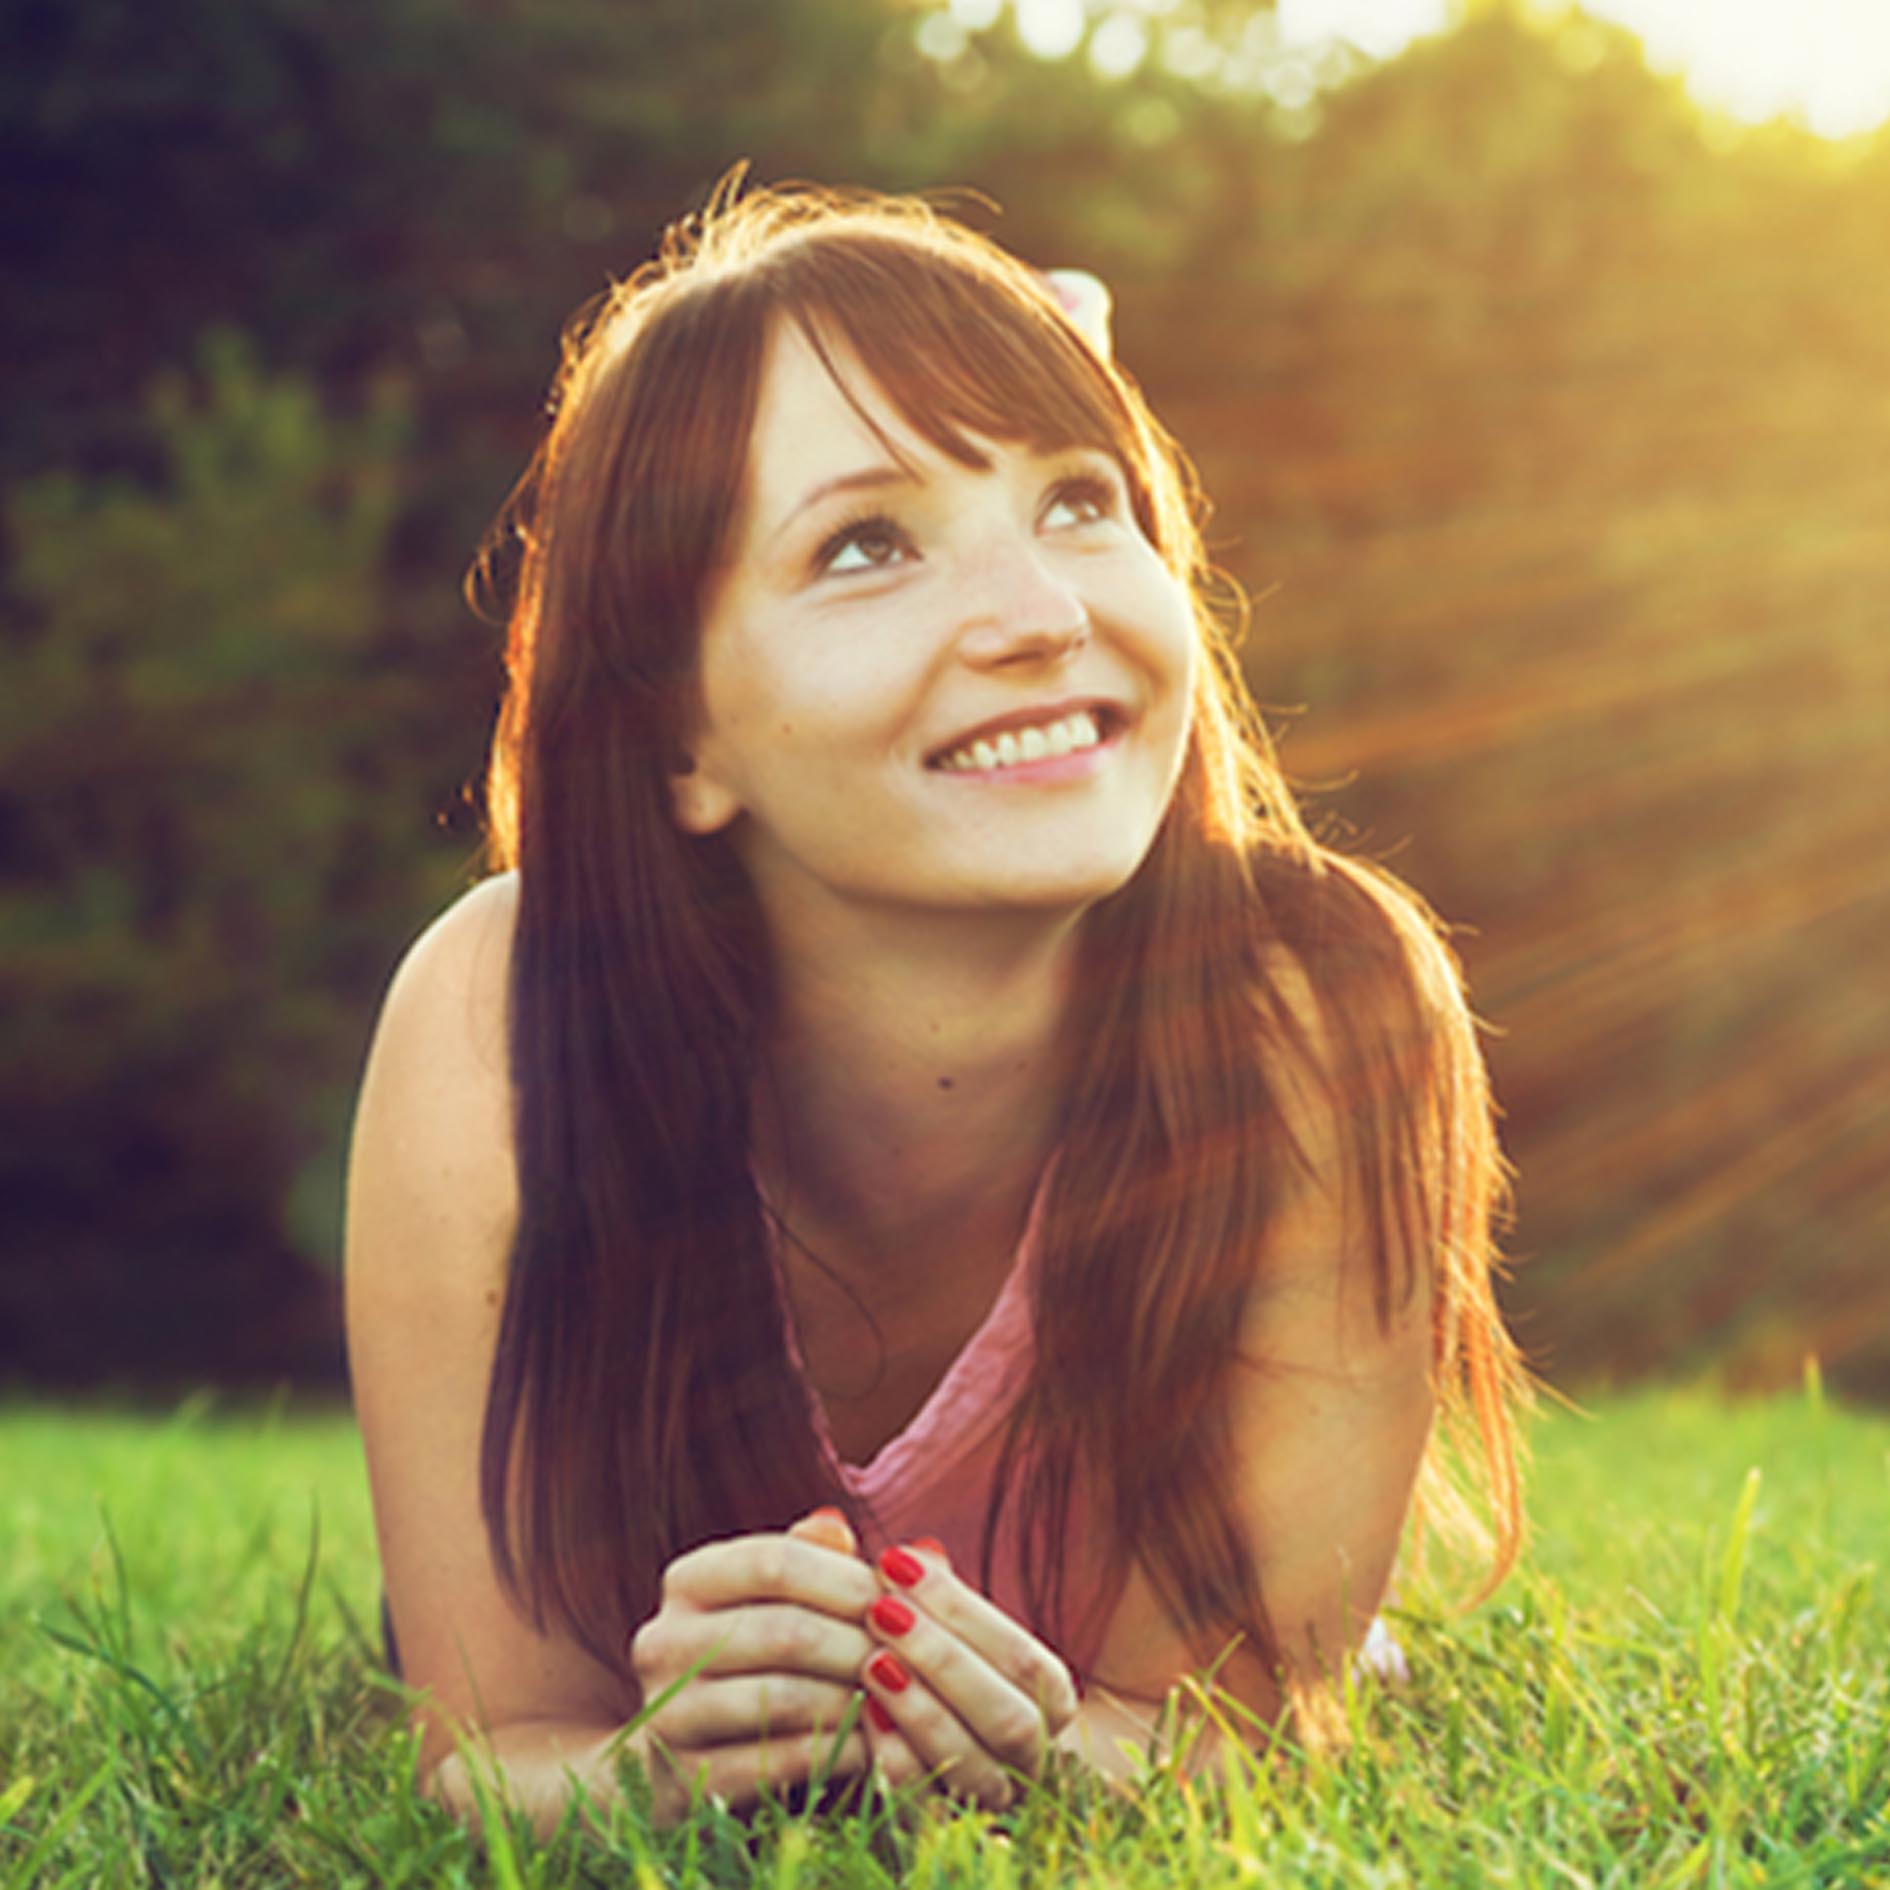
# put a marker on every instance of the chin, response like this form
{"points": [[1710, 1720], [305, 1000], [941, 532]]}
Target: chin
{"points": [[1067, 886]]}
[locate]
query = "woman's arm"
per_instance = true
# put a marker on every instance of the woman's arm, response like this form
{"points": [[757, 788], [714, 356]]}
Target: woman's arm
{"points": [[749, 1666], [762, 1632], [1332, 1415], [432, 1203], [537, 1766]]}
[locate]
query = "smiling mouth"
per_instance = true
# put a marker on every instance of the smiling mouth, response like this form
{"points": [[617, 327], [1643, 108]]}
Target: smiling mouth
{"points": [[1048, 740]]}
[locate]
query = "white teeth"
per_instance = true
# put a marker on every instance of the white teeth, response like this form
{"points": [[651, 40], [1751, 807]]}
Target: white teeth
{"points": [[1066, 736]]}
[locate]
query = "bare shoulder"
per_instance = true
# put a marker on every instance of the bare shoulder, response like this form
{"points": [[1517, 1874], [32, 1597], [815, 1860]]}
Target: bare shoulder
{"points": [[432, 1188], [431, 1183], [1367, 1029], [454, 977], [1360, 951], [439, 1060], [1373, 994], [1298, 1074]]}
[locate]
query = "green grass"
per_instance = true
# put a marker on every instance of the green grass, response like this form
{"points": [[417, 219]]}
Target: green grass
{"points": [[1688, 1683]]}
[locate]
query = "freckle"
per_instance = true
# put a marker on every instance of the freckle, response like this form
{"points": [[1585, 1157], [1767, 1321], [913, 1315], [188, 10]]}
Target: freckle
{"points": [[787, 728], [944, 1082]]}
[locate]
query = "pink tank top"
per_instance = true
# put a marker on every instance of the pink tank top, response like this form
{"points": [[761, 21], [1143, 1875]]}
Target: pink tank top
{"points": [[934, 1476]]}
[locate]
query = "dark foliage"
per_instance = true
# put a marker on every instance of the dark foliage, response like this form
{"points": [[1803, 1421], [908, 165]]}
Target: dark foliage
{"points": [[1544, 419]]}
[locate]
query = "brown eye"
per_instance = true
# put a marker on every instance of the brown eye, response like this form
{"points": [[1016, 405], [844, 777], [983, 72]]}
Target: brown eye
{"points": [[1084, 500], [867, 544]]}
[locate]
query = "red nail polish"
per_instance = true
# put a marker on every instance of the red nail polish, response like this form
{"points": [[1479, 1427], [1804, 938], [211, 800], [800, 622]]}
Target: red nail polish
{"points": [[897, 1566], [888, 1673], [932, 1546], [879, 1715], [891, 1615]]}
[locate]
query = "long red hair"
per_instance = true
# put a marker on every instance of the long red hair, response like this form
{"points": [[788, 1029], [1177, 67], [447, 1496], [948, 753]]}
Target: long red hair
{"points": [[643, 1398]]}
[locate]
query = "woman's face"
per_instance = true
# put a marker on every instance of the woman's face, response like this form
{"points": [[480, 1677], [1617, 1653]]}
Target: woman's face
{"points": [[929, 685]]}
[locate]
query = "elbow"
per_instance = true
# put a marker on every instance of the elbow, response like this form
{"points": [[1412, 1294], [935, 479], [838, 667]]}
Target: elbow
{"points": [[449, 1785], [541, 1769], [1124, 1738], [441, 1761]]}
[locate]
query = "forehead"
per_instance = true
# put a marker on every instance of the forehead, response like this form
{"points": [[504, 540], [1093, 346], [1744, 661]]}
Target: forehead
{"points": [[817, 418]]}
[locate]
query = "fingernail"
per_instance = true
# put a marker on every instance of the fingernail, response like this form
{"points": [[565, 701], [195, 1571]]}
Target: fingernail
{"points": [[827, 1509], [891, 1615], [888, 1673], [932, 1546], [897, 1566], [879, 1715]]}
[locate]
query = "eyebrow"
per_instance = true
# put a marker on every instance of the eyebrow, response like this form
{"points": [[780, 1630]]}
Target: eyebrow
{"points": [[867, 479]]}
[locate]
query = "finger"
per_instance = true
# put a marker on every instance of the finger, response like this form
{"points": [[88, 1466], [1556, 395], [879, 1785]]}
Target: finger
{"points": [[827, 1528], [893, 1757], [942, 1743], [769, 1637], [997, 1714], [929, 1584], [752, 1709], [776, 1566]]}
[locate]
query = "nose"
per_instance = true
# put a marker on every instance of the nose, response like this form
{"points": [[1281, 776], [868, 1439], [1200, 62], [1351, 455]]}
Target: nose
{"points": [[1018, 608]]}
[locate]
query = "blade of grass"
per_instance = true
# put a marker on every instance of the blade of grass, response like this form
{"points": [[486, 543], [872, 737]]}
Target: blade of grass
{"points": [[137, 1677], [26, 1875], [14, 1797], [303, 1591], [493, 1825], [1732, 1566]]}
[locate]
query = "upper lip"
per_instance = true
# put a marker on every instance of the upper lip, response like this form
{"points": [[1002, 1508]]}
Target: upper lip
{"points": [[1037, 715]]}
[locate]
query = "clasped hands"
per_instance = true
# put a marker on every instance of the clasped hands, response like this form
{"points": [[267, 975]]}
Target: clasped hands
{"points": [[767, 1639]]}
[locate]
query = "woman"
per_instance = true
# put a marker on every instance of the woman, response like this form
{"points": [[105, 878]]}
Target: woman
{"points": [[917, 1183]]}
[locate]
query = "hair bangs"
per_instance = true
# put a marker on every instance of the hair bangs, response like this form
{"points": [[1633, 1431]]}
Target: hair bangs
{"points": [[962, 349]]}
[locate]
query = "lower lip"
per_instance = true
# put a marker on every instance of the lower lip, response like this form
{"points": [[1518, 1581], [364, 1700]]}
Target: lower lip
{"points": [[1078, 765]]}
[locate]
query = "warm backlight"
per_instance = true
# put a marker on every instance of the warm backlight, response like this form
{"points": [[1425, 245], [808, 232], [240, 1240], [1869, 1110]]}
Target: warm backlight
{"points": [[1825, 63]]}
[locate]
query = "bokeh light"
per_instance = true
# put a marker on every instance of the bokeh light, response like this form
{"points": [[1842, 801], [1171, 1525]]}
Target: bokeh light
{"points": [[1382, 28], [1052, 29]]}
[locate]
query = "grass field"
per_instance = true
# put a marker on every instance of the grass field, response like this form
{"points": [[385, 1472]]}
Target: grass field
{"points": [[1688, 1683]]}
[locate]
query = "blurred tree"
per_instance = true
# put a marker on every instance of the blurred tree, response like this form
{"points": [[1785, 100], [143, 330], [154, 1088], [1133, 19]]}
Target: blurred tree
{"points": [[206, 816], [1545, 420]]}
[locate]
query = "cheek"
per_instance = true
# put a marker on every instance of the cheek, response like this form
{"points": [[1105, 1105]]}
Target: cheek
{"points": [[1173, 639], [747, 693], [837, 700]]}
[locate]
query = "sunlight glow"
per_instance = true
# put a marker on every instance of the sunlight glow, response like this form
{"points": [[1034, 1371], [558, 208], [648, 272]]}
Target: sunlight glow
{"points": [[1825, 63], [1118, 46], [1380, 28], [1052, 29]]}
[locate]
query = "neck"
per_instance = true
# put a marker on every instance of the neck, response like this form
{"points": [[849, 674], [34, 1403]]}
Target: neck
{"points": [[911, 1091]]}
